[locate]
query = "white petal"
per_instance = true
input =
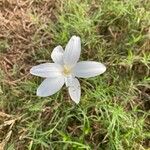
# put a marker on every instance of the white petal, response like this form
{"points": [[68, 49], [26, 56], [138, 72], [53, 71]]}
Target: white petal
{"points": [[50, 86], [75, 90], [47, 70], [57, 55], [68, 80], [72, 51], [86, 69]]}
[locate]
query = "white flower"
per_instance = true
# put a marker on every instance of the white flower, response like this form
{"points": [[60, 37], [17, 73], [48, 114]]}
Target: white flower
{"points": [[65, 69]]}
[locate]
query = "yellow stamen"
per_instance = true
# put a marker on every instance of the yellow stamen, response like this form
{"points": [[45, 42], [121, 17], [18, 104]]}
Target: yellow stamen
{"points": [[66, 70]]}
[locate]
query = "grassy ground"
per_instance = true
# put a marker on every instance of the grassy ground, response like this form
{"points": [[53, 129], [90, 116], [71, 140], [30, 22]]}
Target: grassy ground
{"points": [[114, 110]]}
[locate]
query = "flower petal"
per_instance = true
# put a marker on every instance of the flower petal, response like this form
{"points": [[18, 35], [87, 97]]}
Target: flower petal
{"points": [[68, 80], [57, 55], [47, 70], [86, 69], [50, 86], [75, 90], [72, 51]]}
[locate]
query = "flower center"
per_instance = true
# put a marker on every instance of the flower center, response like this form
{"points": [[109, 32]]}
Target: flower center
{"points": [[66, 70]]}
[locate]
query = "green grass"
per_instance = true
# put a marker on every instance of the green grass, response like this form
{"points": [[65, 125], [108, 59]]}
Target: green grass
{"points": [[113, 113]]}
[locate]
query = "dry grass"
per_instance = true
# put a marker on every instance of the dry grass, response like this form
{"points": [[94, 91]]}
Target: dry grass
{"points": [[18, 28]]}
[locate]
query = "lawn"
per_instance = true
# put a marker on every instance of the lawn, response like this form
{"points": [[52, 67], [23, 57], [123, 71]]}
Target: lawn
{"points": [[114, 110]]}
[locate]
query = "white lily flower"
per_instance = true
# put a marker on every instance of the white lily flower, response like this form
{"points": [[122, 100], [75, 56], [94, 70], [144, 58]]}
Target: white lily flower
{"points": [[65, 69]]}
